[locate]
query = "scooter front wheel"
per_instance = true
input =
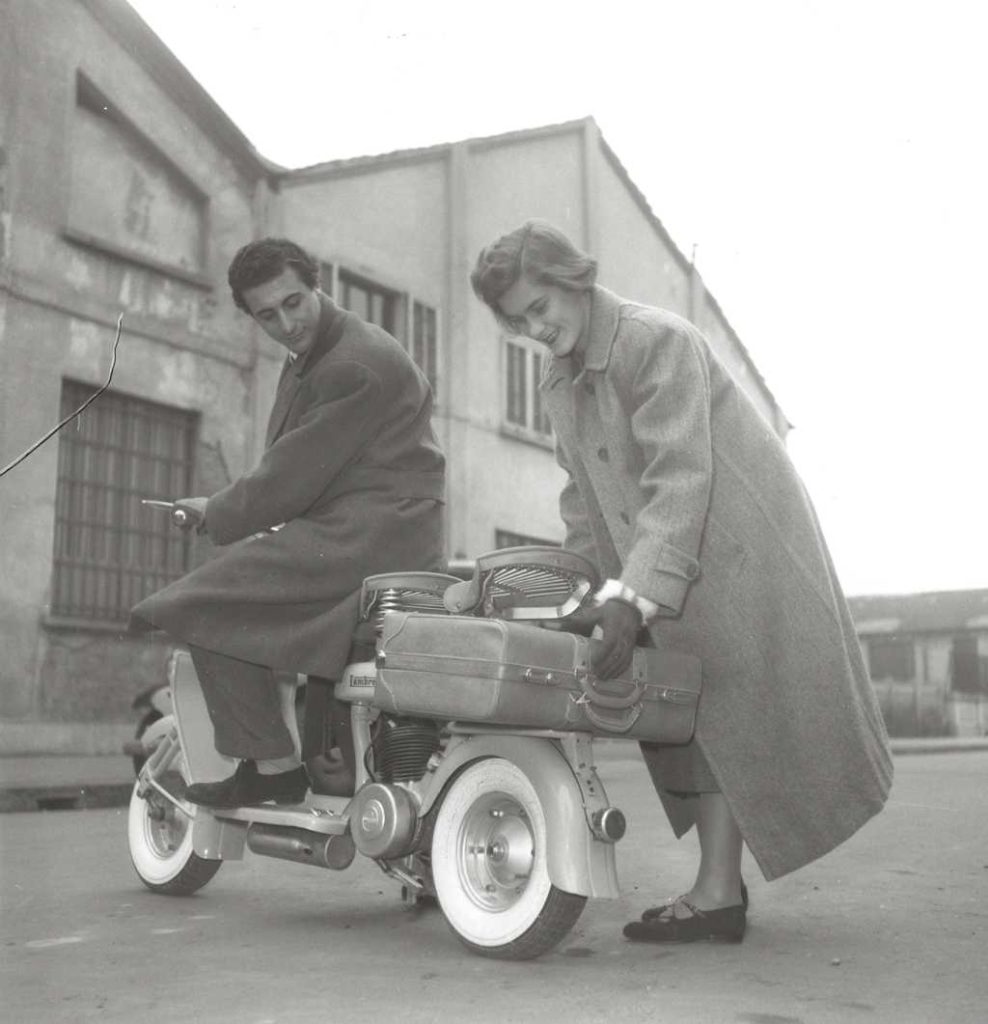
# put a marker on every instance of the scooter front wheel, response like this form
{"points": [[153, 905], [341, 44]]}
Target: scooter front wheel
{"points": [[490, 869], [159, 836]]}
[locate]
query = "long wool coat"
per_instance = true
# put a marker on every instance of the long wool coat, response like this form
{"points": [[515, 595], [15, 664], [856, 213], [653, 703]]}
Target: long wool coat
{"points": [[353, 470], [679, 488]]}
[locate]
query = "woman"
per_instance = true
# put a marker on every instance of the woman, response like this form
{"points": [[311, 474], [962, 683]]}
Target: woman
{"points": [[686, 501]]}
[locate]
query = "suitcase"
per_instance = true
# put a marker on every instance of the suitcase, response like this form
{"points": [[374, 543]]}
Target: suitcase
{"points": [[458, 667]]}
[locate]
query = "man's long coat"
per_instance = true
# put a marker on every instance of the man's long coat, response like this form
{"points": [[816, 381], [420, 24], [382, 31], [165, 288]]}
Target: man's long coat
{"points": [[353, 471], [679, 488]]}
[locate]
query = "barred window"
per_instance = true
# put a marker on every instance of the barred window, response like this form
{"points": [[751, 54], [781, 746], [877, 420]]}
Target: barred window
{"points": [[110, 551]]}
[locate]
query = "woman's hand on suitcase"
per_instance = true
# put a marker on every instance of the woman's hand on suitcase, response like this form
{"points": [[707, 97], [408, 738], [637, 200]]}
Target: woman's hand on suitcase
{"points": [[619, 622]]}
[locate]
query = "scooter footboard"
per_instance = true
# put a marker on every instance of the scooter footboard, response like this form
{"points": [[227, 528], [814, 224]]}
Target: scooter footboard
{"points": [[577, 860]]}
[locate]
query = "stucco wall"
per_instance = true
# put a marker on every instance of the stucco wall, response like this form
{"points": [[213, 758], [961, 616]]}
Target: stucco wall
{"points": [[389, 224], [182, 343], [634, 260], [94, 223], [507, 484]]}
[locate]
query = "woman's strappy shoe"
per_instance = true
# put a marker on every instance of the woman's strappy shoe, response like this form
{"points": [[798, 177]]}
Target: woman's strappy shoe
{"points": [[654, 912], [726, 924]]}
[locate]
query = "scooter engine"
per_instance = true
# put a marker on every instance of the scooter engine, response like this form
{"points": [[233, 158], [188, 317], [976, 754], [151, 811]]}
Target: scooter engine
{"points": [[402, 748], [384, 817]]}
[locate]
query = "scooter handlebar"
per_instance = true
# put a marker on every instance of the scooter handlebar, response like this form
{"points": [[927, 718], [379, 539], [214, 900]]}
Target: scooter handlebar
{"points": [[182, 516]]}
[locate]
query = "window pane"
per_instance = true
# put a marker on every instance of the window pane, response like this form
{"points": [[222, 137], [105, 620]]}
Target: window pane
{"points": [[891, 657], [110, 551], [517, 385], [540, 419], [424, 341], [369, 301]]}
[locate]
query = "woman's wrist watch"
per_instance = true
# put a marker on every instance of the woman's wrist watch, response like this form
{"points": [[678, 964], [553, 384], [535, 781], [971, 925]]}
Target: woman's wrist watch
{"points": [[616, 590]]}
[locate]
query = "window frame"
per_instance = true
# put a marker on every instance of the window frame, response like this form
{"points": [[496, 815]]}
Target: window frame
{"points": [[335, 276], [534, 363], [892, 646]]}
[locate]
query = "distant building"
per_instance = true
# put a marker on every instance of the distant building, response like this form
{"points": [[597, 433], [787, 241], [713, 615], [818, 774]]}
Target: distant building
{"points": [[928, 659], [125, 189]]}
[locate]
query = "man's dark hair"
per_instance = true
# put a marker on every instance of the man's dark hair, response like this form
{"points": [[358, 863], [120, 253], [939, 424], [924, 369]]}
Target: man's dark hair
{"points": [[264, 260]]}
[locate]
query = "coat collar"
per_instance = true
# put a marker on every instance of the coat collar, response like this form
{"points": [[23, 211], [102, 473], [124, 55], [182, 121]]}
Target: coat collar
{"points": [[331, 322], [605, 313]]}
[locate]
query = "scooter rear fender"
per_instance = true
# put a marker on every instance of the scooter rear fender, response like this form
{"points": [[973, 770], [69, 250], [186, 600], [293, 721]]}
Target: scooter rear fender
{"points": [[578, 862]]}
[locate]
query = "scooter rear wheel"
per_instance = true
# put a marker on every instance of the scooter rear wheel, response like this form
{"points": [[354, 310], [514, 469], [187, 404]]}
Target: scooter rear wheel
{"points": [[159, 837], [489, 865]]}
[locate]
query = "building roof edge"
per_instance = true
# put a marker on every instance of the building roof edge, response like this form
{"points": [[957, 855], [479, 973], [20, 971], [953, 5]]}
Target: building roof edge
{"points": [[140, 40]]}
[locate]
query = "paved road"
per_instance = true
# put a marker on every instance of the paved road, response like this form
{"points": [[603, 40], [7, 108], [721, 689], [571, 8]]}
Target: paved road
{"points": [[890, 929]]}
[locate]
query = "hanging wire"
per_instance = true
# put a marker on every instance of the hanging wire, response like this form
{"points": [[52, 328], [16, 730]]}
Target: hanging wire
{"points": [[68, 419]]}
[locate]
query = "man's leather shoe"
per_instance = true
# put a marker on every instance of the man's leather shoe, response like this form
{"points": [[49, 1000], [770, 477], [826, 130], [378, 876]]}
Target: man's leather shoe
{"points": [[248, 786]]}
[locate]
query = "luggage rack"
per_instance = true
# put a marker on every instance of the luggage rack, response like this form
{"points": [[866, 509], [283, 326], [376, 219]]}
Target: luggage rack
{"points": [[534, 582]]}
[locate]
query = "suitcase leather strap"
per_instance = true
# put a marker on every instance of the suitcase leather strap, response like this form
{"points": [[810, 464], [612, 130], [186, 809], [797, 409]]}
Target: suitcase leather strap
{"points": [[477, 668]]}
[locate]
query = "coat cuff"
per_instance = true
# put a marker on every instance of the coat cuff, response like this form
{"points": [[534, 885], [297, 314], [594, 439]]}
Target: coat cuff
{"points": [[667, 582]]}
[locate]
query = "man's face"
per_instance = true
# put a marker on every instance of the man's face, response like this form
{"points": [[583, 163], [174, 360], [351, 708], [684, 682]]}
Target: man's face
{"points": [[287, 309]]}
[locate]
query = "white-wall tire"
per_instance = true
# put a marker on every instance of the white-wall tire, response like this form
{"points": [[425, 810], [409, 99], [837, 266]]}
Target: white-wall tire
{"points": [[159, 837], [489, 865]]}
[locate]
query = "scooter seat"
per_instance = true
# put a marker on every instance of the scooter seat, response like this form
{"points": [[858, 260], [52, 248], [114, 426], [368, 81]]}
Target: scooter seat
{"points": [[534, 582], [402, 591]]}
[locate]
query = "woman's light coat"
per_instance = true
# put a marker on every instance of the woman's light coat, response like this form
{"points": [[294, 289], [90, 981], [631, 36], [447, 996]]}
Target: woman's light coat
{"points": [[682, 490]]}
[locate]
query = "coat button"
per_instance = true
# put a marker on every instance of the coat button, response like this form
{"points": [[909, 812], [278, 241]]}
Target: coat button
{"points": [[625, 519], [603, 454]]}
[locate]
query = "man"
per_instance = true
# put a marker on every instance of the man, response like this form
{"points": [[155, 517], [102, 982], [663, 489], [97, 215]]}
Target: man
{"points": [[352, 471]]}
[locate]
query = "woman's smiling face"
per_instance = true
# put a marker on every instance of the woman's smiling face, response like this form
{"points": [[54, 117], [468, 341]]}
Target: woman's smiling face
{"points": [[554, 316]]}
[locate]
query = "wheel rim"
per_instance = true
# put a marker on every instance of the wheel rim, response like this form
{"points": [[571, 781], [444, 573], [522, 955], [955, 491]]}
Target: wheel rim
{"points": [[165, 827], [495, 852]]}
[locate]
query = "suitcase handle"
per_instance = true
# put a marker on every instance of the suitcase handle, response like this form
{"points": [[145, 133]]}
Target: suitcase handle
{"points": [[609, 700], [622, 722]]}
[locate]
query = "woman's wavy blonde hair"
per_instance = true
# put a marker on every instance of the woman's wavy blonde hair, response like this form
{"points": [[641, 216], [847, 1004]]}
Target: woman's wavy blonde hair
{"points": [[540, 252]]}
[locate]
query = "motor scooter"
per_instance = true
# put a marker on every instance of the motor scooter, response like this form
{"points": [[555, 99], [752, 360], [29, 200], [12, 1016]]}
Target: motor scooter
{"points": [[509, 829]]}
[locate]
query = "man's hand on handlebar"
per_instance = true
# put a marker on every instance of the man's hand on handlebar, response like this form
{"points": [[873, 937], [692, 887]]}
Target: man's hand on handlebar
{"points": [[190, 513]]}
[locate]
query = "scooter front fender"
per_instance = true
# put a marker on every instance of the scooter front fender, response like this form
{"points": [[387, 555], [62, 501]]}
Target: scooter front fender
{"points": [[577, 861]]}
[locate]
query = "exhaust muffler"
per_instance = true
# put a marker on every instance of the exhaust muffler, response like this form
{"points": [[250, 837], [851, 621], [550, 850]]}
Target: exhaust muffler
{"points": [[302, 846]]}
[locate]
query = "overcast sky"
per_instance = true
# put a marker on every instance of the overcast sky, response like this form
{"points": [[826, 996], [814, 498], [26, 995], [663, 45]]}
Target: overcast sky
{"points": [[827, 160]]}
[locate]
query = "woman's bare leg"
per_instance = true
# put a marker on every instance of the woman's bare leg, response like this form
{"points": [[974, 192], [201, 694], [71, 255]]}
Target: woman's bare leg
{"points": [[718, 882]]}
